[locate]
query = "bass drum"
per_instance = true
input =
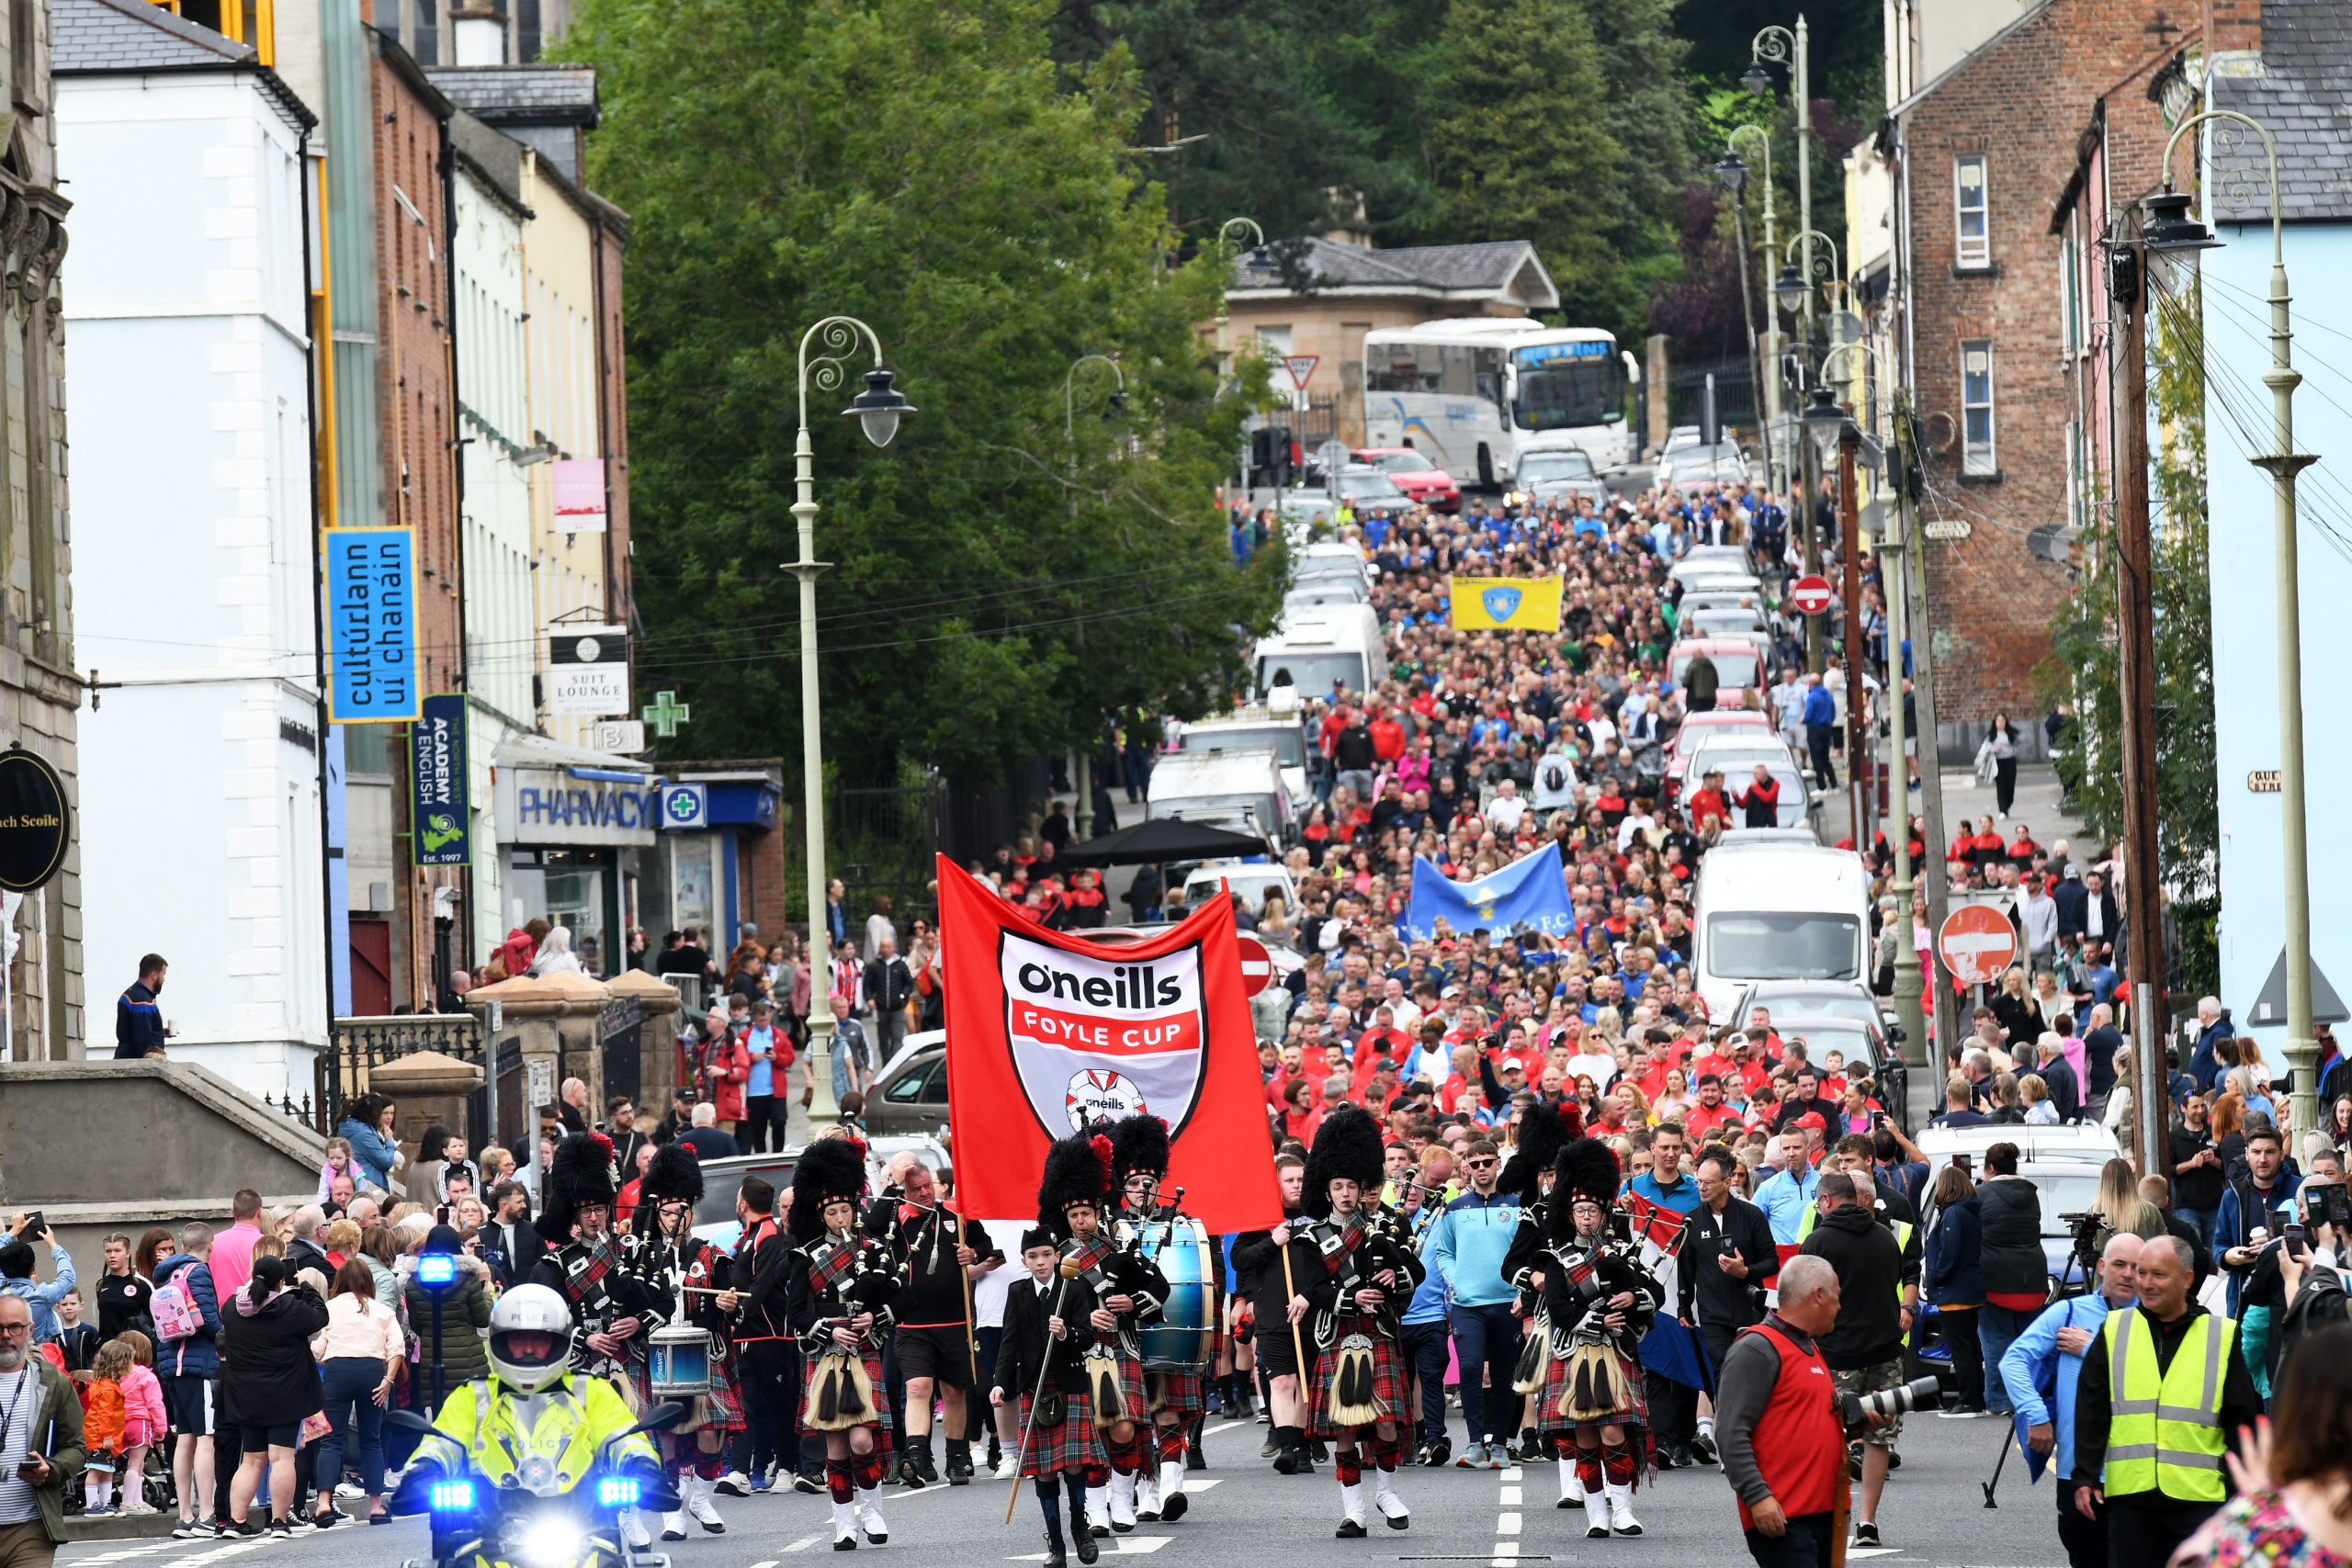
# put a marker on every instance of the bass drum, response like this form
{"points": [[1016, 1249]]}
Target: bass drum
{"points": [[1185, 1336]]}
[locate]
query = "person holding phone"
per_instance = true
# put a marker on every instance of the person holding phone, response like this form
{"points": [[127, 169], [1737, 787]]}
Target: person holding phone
{"points": [[19, 1272], [40, 1443]]}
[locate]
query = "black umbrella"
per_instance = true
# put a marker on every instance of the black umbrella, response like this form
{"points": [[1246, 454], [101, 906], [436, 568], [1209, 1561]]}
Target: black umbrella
{"points": [[1163, 838]]}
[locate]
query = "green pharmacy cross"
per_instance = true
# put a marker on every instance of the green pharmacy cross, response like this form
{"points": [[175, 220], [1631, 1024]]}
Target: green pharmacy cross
{"points": [[665, 713]]}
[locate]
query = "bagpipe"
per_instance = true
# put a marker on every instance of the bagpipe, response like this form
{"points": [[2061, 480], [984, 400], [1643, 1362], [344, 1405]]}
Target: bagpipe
{"points": [[1355, 1253], [856, 1274]]}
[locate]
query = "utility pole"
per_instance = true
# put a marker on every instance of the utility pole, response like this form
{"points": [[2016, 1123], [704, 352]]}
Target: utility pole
{"points": [[1858, 785], [2136, 675], [1931, 777], [1895, 548]]}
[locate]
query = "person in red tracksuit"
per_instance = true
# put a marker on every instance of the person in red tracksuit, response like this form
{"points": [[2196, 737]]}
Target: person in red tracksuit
{"points": [[1780, 1425]]}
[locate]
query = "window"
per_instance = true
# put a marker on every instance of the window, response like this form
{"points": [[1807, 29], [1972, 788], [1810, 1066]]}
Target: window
{"points": [[1972, 227], [1976, 407]]}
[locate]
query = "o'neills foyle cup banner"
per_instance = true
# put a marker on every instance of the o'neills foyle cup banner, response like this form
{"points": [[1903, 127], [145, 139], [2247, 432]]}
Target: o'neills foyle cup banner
{"points": [[1048, 1032]]}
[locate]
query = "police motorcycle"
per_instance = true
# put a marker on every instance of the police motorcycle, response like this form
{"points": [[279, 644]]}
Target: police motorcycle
{"points": [[535, 1466]]}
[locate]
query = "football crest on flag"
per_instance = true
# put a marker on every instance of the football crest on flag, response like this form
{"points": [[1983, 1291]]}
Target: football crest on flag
{"points": [[1501, 602]]}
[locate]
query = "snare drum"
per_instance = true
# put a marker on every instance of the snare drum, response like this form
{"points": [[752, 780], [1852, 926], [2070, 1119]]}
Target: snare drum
{"points": [[678, 1363], [1185, 1336]]}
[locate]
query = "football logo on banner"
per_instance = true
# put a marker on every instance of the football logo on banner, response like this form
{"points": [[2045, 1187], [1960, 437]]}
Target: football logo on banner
{"points": [[1049, 1033], [1096, 1038]]}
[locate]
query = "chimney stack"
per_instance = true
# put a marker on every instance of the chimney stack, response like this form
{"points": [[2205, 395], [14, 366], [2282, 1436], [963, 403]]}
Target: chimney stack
{"points": [[478, 36]]}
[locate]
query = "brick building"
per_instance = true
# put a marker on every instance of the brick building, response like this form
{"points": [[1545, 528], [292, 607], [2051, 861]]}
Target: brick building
{"points": [[1978, 312]]}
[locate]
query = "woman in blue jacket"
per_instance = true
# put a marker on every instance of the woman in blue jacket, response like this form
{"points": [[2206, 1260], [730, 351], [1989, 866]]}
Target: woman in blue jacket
{"points": [[1955, 1281], [367, 1124]]}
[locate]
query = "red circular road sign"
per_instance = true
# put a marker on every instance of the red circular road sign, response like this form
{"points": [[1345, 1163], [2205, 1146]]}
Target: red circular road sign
{"points": [[1257, 965], [1976, 944], [1810, 594]]}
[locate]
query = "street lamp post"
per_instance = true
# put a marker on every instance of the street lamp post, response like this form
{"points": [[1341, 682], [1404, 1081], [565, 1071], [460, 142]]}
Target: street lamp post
{"points": [[1227, 232], [2172, 234], [1892, 545], [1734, 173], [1779, 45], [1795, 290], [1069, 442], [878, 410]]}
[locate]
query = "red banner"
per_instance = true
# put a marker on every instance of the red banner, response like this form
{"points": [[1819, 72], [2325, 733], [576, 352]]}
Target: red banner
{"points": [[1048, 1032]]}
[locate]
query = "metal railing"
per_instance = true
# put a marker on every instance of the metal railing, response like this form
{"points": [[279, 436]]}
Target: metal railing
{"points": [[360, 1045]]}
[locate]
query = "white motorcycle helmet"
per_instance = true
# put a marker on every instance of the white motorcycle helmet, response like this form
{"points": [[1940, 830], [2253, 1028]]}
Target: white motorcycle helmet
{"points": [[530, 1339]]}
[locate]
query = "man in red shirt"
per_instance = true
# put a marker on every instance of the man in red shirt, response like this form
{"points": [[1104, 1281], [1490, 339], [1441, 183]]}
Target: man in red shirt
{"points": [[1383, 1044], [1710, 1112], [1779, 1425], [1387, 736], [1710, 804]]}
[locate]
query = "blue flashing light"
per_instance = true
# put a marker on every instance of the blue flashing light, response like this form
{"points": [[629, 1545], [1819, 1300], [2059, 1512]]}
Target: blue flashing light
{"points": [[434, 1270], [451, 1496], [616, 1492]]}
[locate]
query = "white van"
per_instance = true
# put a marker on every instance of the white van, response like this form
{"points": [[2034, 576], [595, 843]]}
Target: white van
{"points": [[1318, 647], [1242, 791], [1771, 910], [1265, 728]]}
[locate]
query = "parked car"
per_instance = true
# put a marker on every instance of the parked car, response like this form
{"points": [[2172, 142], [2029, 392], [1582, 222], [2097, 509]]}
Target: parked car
{"points": [[1736, 753], [1703, 561], [1363, 487], [1414, 474], [1840, 1016], [1739, 668], [1546, 465], [1694, 730]]}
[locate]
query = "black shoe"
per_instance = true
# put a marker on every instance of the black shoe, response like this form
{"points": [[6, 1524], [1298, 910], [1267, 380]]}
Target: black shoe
{"points": [[1057, 1554], [959, 1467], [1865, 1535], [1703, 1449], [1271, 1448], [846, 1543], [1316, 1452], [1193, 1458], [1664, 1460], [1893, 1461], [1348, 1530], [1174, 1509], [807, 1484], [924, 1467], [1441, 1451], [1682, 1459], [1287, 1460], [1082, 1534]]}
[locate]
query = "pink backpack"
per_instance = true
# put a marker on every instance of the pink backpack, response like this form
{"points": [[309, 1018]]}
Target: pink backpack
{"points": [[177, 1316]]}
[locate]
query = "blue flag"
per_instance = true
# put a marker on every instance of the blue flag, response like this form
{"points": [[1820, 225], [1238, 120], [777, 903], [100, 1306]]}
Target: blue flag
{"points": [[1529, 893], [1677, 1353], [2035, 1463]]}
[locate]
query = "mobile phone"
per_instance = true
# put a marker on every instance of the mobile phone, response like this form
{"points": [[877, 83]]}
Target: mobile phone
{"points": [[35, 1222]]}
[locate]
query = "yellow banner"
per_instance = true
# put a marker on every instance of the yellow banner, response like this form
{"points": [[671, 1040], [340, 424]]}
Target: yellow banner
{"points": [[1505, 604]]}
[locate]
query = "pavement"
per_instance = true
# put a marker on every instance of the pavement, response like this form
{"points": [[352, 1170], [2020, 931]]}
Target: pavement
{"points": [[1245, 1516]]}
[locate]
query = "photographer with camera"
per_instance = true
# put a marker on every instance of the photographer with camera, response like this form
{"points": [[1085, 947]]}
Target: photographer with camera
{"points": [[1783, 1443], [1864, 1346], [2163, 1392], [2049, 1356], [2296, 1276]]}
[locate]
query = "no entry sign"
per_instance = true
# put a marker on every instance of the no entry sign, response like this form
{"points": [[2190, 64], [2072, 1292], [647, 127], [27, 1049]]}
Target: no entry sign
{"points": [[1810, 594], [1257, 965], [1976, 943]]}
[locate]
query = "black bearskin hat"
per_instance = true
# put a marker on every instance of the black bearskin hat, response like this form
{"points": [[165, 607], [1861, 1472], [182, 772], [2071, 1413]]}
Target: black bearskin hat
{"points": [[830, 1170], [1078, 1170], [579, 1176], [1137, 1143], [1543, 1132], [1036, 1236], [1587, 1167], [676, 1172], [1348, 1144]]}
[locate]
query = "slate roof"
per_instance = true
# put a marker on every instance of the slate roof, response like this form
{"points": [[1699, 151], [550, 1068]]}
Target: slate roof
{"points": [[135, 35], [105, 37], [1461, 271], [2300, 99], [539, 94]]}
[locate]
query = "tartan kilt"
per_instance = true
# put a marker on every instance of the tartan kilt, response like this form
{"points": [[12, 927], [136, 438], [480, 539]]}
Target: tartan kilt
{"points": [[881, 1422], [1184, 1393], [720, 1410], [1388, 1392], [1547, 1417], [1132, 1393], [1074, 1445]]}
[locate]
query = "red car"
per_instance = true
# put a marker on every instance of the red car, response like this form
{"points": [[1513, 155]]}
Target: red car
{"points": [[1423, 480]]}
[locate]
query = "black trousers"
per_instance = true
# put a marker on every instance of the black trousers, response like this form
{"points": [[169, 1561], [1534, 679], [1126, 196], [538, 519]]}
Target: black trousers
{"points": [[1674, 1410], [2084, 1540], [761, 1132], [1817, 741], [1807, 1543], [768, 1373], [2138, 1534]]}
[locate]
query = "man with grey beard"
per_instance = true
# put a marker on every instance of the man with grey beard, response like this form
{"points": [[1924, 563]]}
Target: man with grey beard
{"points": [[40, 1444]]}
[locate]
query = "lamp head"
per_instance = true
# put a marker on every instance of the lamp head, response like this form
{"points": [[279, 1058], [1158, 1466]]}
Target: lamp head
{"points": [[1756, 79], [1824, 421], [1731, 171], [1788, 288], [877, 408]]}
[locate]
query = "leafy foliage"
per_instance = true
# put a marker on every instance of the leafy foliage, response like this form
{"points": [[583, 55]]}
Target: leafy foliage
{"points": [[926, 168]]}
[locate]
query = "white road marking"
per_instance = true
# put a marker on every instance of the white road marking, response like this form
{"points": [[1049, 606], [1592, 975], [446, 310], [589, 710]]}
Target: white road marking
{"points": [[805, 1541], [1514, 1473], [1509, 1497], [1122, 1546], [1196, 1484], [1509, 1523], [771, 1562], [1223, 1426]]}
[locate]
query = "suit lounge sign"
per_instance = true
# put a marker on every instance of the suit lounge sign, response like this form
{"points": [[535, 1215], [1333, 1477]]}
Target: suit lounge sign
{"points": [[36, 824]]}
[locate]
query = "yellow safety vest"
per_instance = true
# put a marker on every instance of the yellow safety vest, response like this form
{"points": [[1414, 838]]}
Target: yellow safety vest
{"points": [[2166, 1433], [1902, 1229]]}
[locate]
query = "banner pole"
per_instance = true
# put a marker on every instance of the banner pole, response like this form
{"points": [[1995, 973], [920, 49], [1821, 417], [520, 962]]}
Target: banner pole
{"points": [[1297, 1346]]}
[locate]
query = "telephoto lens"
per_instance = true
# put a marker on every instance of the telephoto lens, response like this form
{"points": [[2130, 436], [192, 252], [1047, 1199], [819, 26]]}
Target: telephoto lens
{"points": [[1890, 1402]]}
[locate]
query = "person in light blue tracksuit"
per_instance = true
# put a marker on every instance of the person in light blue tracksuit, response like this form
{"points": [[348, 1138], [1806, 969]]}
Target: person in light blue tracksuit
{"points": [[2049, 1355], [1786, 1197], [1465, 1249]]}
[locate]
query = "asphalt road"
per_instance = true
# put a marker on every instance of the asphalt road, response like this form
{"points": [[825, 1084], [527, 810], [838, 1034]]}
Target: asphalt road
{"points": [[1244, 1515]]}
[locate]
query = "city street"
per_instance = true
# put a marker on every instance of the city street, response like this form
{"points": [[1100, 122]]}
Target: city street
{"points": [[1245, 1516]]}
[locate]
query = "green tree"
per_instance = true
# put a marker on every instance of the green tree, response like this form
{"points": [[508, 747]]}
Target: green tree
{"points": [[1519, 150], [927, 168]]}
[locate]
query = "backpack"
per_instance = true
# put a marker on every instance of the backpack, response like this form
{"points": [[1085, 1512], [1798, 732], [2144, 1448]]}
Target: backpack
{"points": [[177, 1316]]}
